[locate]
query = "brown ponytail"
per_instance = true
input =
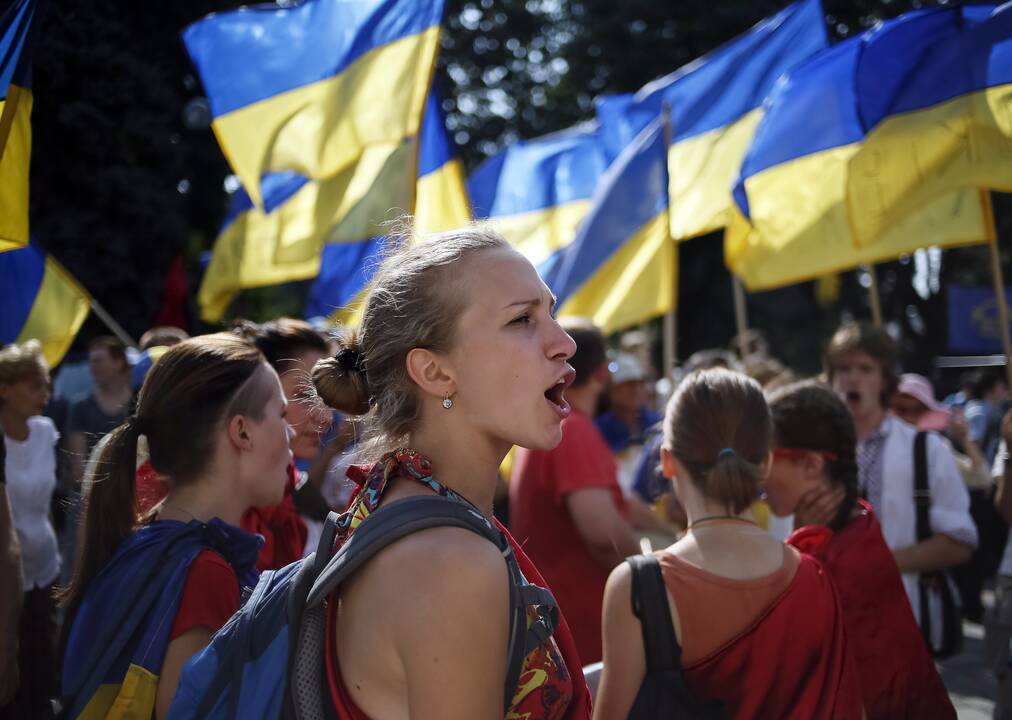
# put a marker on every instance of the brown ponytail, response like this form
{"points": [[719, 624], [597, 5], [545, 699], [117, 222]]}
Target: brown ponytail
{"points": [[718, 426], [193, 387]]}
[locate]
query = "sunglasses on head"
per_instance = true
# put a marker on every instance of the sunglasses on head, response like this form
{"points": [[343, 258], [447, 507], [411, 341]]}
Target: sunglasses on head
{"points": [[798, 453]]}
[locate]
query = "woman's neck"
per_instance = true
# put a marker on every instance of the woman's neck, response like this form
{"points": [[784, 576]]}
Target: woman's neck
{"points": [[201, 500], [467, 466], [15, 426]]}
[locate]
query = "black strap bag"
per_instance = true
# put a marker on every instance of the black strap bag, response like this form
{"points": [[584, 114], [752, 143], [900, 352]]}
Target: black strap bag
{"points": [[949, 641], [663, 693]]}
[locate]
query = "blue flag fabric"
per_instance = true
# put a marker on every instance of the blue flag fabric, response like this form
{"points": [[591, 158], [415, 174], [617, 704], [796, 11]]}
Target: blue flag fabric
{"points": [[41, 301], [297, 87], [715, 104], [537, 192], [18, 25], [620, 269], [441, 204], [120, 632], [791, 219]]}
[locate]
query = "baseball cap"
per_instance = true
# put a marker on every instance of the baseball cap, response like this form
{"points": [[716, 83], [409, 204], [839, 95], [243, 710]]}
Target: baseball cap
{"points": [[626, 367], [919, 387]]}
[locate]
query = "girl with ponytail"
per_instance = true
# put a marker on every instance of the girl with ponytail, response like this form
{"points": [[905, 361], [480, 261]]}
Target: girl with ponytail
{"points": [[814, 476], [758, 624], [150, 589]]}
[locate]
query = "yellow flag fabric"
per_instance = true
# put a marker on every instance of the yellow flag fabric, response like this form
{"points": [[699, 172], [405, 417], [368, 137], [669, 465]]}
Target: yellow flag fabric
{"points": [[308, 87], [41, 301], [257, 248], [791, 220], [15, 158], [943, 123]]}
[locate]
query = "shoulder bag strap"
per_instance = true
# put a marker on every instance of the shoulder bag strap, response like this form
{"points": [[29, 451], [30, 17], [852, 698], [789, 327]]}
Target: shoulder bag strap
{"points": [[922, 506], [650, 605], [922, 494]]}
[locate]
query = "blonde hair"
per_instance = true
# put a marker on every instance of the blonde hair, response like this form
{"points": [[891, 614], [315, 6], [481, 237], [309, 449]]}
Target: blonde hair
{"points": [[415, 301], [19, 361]]}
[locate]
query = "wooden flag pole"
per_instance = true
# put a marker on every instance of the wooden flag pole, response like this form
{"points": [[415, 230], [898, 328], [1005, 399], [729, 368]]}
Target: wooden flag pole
{"points": [[7, 118], [110, 323], [999, 295], [740, 313], [873, 296], [669, 335]]}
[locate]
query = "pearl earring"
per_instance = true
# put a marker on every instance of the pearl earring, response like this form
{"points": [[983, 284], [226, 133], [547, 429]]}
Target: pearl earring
{"points": [[447, 402]]}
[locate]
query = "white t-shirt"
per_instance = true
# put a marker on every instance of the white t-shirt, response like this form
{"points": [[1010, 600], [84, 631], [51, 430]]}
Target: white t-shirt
{"points": [[996, 472], [31, 479]]}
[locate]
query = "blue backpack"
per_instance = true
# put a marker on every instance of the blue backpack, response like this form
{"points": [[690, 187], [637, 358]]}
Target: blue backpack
{"points": [[268, 661]]}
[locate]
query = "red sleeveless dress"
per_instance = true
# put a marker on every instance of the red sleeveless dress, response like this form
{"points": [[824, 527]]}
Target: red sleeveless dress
{"points": [[898, 676], [771, 647]]}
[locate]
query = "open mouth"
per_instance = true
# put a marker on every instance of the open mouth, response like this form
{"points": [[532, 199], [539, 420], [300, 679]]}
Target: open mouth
{"points": [[555, 395], [853, 396]]}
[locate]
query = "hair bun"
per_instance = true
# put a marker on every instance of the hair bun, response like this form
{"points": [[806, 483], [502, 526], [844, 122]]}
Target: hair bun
{"points": [[351, 360], [341, 381]]}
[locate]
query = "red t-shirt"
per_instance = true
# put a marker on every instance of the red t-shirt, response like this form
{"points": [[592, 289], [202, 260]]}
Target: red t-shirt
{"points": [[210, 596], [898, 676], [540, 521]]}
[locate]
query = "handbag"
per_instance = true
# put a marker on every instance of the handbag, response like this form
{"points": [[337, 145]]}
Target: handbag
{"points": [[934, 586], [663, 693]]}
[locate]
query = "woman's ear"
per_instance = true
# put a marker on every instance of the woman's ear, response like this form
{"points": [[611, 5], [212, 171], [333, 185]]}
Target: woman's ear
{"points": [[238, 433], [766, 466], [669, 466], [814, 466], [431, 373]]}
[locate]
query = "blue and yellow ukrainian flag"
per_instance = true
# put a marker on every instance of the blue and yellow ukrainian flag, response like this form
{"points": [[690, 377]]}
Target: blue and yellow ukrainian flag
{"points": [[791, 223], [939, 105], [283, 242], [440, 204], [121, 630], [16, 34], [41, 301], [310, 87], [620, 270], [537, 192], [715, 104]]}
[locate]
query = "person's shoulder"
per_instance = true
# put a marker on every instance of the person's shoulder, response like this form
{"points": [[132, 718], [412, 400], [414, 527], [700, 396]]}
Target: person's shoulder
{"points": [[44, 426], [441, 553], [209, 571]]}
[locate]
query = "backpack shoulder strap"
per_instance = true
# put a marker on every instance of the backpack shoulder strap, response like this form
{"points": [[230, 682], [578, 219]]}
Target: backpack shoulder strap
{"points": [[390, 523], [403, 517], [922, 494], [650, 605]]}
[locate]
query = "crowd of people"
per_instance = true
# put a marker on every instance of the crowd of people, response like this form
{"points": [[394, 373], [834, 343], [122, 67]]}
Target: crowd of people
{"points": [[811, 545]]}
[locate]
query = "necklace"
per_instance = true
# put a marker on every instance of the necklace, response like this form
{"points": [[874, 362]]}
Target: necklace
{"points": [[167, 504], [713, 518]]}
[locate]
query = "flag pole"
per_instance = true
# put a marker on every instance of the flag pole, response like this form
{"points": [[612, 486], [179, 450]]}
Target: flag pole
{"points": [[670, 327], [111, 323], [740, 314], [7, 118], [873, 296], [999, 294]]}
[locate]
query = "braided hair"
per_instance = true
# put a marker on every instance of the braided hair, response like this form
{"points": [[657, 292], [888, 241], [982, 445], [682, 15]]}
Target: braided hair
{"points": [[810, 416]]}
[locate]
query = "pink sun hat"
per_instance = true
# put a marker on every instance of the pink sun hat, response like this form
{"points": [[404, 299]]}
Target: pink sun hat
{"points": [[917, 386]]}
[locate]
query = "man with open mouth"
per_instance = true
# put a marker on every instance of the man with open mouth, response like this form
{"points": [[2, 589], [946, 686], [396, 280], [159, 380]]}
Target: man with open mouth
{"points": [[860, 364]]}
